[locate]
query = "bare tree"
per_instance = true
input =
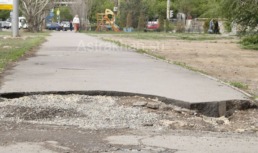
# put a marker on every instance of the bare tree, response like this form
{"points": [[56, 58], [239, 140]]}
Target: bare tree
{"points": [[35, 12], [83, 9]]}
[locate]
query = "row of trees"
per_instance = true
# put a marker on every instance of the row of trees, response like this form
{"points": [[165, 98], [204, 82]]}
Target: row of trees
{"points": [[244, 13], [135, 12], [35, 12]]}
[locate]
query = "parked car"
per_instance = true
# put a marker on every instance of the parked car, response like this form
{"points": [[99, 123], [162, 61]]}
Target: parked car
{"points": [[65, 25], [7, 24], [1, 23], [152, 26], [22, 23], [54, 26]]}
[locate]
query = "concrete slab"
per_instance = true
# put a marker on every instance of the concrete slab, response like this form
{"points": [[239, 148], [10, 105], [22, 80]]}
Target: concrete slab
{"points": [[77, 62]]}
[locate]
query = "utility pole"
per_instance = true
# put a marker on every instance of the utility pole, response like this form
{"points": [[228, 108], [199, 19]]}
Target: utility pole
{"points": [[15, 24], [168, 9], [83, 18]]}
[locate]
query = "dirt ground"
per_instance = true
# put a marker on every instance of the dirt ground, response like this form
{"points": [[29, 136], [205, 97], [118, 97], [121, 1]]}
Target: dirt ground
{"points": [[221, 58]]}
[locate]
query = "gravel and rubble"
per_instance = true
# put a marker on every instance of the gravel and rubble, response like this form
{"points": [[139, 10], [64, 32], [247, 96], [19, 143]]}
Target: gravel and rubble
{"points": [[83, 111], [80, 123], [105, 112]]}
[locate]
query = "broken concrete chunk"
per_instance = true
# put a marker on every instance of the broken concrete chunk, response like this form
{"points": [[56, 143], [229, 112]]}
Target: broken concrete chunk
{"points": [[173, 124], [220, 122], [256, 125], [256, 100], [240, 130], [165, 107], [255, 129], [153, 105], [147, 124], [140, 104]]}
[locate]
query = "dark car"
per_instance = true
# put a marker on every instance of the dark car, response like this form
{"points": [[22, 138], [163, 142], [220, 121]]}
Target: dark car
{"points": [[54, 26]]}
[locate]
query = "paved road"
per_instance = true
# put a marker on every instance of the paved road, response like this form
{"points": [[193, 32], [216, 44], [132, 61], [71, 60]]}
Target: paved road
{"points": [[141, 141], [73, 61], [188, 142]]}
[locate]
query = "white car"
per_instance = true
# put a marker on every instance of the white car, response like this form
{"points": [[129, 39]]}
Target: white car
{"points": [[22, 23], [1, 24], [65, 25], [7, 24]]}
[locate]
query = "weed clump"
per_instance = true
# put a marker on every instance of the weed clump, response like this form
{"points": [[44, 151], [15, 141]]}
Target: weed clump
{"points": [[250, 42]]}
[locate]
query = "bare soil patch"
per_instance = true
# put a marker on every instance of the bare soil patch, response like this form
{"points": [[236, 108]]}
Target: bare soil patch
{"points": [[222, 58]]}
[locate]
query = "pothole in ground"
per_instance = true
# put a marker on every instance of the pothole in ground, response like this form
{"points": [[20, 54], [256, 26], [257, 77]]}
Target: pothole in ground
{"points": [[91, 112], [28, 113], [106, 112]]}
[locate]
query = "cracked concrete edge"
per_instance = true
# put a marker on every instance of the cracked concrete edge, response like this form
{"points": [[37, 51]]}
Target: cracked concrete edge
{"points": [[223, 108], [211, 109]]}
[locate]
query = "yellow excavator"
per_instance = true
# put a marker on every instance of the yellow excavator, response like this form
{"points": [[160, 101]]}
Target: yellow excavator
{"points": [[106, 21]]}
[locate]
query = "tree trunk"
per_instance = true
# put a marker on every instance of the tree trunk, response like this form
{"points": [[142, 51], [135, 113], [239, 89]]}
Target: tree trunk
{"points": [[33, 11]]}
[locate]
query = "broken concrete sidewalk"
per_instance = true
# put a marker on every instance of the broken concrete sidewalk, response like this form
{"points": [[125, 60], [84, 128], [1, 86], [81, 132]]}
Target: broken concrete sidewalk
{"points": [[77, 62]]}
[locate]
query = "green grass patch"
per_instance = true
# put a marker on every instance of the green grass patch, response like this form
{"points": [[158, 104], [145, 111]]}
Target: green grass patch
{"points": [[201, 37], [250, 42], [239, 85], [102, 32], [11, 49], [142, 51], [117, 43], [148, 36], [184, 65], [5, 33], [162, 36]]}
